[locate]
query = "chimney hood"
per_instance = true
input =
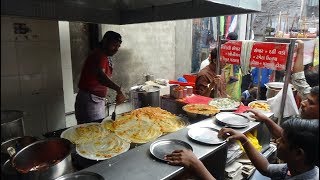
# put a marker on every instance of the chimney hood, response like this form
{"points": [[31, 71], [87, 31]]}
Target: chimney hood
{"points": [[126, 11]]}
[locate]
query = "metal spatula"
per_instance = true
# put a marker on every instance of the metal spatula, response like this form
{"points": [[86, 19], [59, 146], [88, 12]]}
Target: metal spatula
{"points": [[113, 116]]}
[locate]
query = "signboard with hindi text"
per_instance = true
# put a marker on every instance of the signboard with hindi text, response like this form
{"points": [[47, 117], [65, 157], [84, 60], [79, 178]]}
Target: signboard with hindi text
{"points": [[269, 55], [230, 52]]}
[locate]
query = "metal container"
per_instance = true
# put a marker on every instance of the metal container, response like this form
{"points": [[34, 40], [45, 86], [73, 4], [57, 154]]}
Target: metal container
{"points": [[11, 124], [189, 90], [274, 87], [172, 86], [141, 98], [184, 92], [45, 159], [82, 175], [17, 143]]}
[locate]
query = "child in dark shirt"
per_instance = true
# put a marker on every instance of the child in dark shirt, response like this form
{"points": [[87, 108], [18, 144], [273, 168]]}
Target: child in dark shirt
{"points": [[249, 95]]}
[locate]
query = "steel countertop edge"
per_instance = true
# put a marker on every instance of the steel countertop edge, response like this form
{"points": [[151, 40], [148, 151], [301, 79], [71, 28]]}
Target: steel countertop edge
{"points": [[138, 163]]}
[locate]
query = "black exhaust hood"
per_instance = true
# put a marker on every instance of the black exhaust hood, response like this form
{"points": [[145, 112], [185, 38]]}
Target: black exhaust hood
{"points": [[125, 11]]}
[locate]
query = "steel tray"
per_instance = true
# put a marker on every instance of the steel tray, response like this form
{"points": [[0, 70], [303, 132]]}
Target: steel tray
{"points": [[163, 147]]}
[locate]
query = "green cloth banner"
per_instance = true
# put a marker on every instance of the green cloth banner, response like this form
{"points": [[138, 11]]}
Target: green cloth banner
{"points": [[316, 53], [222, 22]]}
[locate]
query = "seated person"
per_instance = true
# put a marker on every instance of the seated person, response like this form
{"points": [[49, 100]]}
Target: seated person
{"points": [[208, 82], [298, 147], [249, 95]]}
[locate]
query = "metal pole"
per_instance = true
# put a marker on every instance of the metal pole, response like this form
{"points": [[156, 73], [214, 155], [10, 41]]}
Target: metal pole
{"points": [[218, 50], [218, 55], [287, 79], [259, 83], [218, 61], [251, 26]]}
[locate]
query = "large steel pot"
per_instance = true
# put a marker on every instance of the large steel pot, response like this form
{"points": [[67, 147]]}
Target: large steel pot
{"points": [[274, 87], [17, 143], [142, 98], [44, 159], [11, 124]]}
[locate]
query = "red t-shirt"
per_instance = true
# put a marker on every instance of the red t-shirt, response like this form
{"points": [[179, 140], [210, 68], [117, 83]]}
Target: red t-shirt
{"points": [[88, 79]]}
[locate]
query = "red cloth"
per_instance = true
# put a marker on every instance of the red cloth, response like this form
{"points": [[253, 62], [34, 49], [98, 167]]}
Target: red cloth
{"points": [[242, 108], [197, 99], [88, 79]]}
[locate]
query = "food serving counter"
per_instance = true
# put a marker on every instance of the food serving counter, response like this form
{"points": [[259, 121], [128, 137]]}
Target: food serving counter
{"points": [[138, 163]]}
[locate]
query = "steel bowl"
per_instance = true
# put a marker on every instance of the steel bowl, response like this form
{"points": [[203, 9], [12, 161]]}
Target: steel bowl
{"points": [[44, 159], [17, 143]]}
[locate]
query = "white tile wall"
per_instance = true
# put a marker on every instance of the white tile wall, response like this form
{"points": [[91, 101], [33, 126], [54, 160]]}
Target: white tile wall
{"points": [[7, 34], [31, 74], [32, 89], [9, 65], [31, 57], [55, 106], [10, 92], [35, 123], [40, 30]]}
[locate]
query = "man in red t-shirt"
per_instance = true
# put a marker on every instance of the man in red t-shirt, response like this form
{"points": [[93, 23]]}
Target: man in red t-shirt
{"points": [[95, 80]]}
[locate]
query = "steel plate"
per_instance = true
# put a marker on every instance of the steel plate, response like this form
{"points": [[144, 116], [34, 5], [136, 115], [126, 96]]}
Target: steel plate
{"points": [[163, 147], [205, 135], [232, 107], [232, 120], [259, 101]]}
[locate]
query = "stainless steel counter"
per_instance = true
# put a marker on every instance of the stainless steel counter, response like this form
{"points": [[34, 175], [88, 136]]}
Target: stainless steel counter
{"points": [[138, 163]]}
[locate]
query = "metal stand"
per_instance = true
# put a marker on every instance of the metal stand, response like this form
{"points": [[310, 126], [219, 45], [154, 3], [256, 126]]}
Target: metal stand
{"points": [[259, 84], [287, 79], [218, 59]]}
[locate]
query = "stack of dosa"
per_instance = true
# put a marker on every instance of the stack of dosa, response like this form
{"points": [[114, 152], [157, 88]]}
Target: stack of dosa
{"points": [[145, 124], [95, 142]]}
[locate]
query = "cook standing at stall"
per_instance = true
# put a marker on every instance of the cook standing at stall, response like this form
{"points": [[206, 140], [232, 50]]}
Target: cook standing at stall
{"points": [[95, 81], [208, 82]]}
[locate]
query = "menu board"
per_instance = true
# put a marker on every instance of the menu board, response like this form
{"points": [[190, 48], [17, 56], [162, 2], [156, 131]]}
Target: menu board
{"points": [[263, 54], [230, 52], [269, 55]]}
